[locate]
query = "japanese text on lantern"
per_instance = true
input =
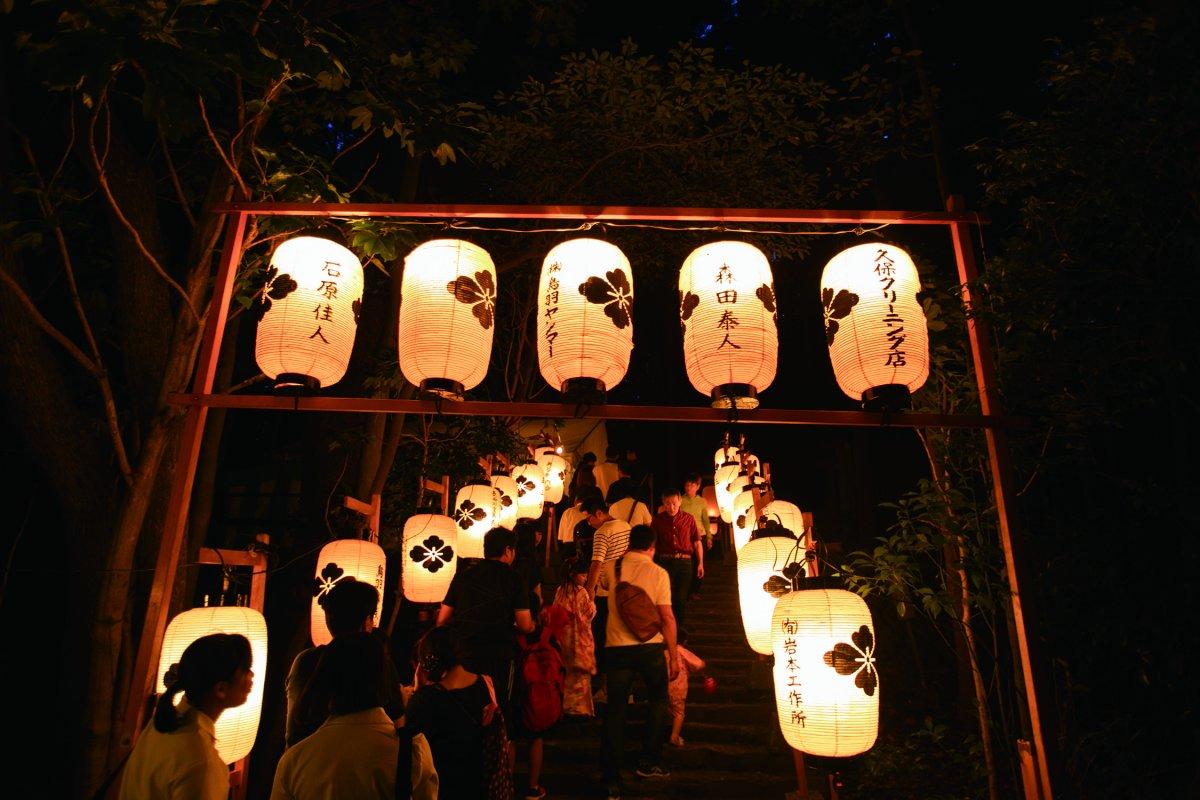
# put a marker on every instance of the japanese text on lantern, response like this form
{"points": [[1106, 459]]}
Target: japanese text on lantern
{"points": [[329, 290], [794, 696], [885, 268], [551, 305], [728, 321]]}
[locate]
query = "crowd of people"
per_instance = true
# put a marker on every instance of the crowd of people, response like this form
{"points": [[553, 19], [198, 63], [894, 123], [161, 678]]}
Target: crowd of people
{"points": [[500, 666]]}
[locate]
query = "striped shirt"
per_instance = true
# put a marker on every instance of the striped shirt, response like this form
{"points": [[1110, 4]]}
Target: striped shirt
{"points": [[611, 542]]}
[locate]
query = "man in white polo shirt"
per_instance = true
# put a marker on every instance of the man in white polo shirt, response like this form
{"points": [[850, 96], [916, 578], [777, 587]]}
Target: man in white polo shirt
{"points": [[627, 657]]}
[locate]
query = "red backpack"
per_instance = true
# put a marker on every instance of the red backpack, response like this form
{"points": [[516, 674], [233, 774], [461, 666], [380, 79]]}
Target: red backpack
{"points": [[541, 674]]}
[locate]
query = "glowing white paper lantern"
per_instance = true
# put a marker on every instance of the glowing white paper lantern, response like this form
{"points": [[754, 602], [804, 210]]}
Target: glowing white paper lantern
{"points": [[310, 311], [728, 313], [874, 324], [531, 493], [585, 317], [725, 455], [346, 558], [429, 558], [744, 519], [723, 479], [554, 468], [780, 514], [826, 681], [765, 568], [447, 316], [475, 514], [506, 501], [237, 727]]}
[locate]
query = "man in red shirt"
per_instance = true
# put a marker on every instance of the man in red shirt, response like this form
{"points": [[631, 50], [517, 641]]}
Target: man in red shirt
{"points": [[678, 539]]}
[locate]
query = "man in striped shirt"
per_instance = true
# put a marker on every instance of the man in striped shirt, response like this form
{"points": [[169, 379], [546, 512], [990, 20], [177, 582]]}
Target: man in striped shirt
{"points": [[609, 543]]}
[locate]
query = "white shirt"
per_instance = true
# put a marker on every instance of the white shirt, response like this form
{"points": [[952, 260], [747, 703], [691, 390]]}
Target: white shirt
{"points": [[566, 526], [639, 569], [621, 510], [352, 756], [611, 541], [180, 765]]}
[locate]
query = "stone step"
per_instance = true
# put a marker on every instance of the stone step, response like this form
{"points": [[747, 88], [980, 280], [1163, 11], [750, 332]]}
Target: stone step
{"points": [[754, 729], [720, 756], [569, 782]]}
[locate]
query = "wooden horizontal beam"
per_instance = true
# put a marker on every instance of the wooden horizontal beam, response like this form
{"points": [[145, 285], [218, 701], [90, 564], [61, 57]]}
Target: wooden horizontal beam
{"points": [[231, 558], [739, 216], [480, 408]]}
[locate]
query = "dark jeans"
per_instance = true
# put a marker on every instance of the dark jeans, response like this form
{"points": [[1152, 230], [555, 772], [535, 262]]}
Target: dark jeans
{"points": [[600, 633], [679, 570], [623, 663]]}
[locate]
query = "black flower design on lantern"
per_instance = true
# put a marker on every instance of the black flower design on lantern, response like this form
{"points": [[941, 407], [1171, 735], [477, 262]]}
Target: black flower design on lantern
{"points": [[468, 514], [687, 304], [836, 307], [432, 554], [772, 525], [779, 585], [479, 293], [766, 293], [615, 294], [505, 499], [276, 286], [857, 659], [524, 486], [330, 575]]}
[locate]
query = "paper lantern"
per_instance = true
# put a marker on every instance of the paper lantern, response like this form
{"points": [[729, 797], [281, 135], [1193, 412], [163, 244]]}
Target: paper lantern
{"points": [[447, 316], [429, 558], [309, 313], [531, 495], [474, 514], [554, 469], [346, 558], [874, 324], [585, 317], [765, 568], [506, 501], [780, 515], [237, 727], [744, 519], [728, 313], [825, 675], [725, 455], [722, 480]]}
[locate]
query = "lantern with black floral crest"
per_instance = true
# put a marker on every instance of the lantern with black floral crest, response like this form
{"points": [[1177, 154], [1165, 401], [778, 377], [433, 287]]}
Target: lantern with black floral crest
{"points": [[308, 313], [345, 558], [766, 567], [531, 495], [585, 318], [474, 515], [429, 557], [728, 313], [506, 501], [874, 325], [447, 316]]}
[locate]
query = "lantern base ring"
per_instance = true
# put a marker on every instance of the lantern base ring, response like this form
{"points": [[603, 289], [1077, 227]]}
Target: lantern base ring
{"points": [[443, 388], [586, 391], [734, 395], [889, 397], [295, 383]]}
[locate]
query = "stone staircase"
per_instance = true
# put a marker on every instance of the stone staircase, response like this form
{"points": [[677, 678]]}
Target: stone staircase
{"points": [[733, 746]]}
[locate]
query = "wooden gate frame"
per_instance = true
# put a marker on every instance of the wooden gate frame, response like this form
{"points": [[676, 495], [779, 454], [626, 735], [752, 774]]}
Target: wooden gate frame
{"points": [[201, 399]]}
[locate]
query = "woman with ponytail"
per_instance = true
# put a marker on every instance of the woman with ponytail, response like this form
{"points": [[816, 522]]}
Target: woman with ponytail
{"points": [[176, 755]]}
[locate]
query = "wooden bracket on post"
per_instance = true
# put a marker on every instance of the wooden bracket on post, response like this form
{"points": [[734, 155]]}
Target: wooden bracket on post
{"points": [[812, 570], [441, 488], [372, 511]]}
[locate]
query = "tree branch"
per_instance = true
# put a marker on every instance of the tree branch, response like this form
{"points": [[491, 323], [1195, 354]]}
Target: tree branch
{"points": [[183, 202], [212, 137], [43, 323]]}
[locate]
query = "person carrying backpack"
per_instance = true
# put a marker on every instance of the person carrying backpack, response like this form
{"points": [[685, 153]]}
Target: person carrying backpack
{"points": [[538, 702]]}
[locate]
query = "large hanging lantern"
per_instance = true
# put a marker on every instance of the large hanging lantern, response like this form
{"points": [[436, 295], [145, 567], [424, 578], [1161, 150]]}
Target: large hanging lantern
{"points": [[765, 568], [554, 468], [475, 514], [585, 318], [723, 480], [725, 455], [345, 558], [531, 493], [429, 557], [745, 520], [874, 324], [780, 515], [237, 727], [728, 313], [826, 681], [309, 313], [506, 501], [447, 316]]}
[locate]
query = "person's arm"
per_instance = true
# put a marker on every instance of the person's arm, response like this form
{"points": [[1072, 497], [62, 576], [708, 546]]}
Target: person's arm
{"points": [[593, 577], [424, 776], [707, 523], [599, 554], [523, 620], [279, 787], [697, 547], [445, 612], [668, 632]]}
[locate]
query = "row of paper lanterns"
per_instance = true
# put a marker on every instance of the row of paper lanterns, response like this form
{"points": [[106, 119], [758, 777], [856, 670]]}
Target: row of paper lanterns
{"points": [[874, 325], [822, 640]]}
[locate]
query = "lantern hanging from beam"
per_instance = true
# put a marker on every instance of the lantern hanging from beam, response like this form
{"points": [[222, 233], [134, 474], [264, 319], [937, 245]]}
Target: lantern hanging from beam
{"points": [[237, 727], [345, 558], [429, 558], [740, 481], [308, 313], [825, 675], [765, 569], [447, 316], [474, 514], [874, 324], [506, 501], [781, 516], [554, 468], [728, 313], [531, 494], [585, 318], [722, 487], [725, 455], [745, 518]]}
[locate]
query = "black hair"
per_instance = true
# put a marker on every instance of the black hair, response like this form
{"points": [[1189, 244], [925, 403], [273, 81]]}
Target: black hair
{"points": [[205, 663], [641, 537], [671, 491], [526, 534], [587, 458], [349, 676], [438, 652], [348, 605], [496, 541], [586, 493], [625, 467], [693, 477], [592, 504], [612, 452]]}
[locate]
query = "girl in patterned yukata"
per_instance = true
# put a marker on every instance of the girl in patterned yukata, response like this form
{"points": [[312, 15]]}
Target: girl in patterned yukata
{"points": [[688, 664], [575, 639]]}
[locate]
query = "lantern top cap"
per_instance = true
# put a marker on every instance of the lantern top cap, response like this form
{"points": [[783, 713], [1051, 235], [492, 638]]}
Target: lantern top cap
{"points": [[434, 244], [583, 241], [309, 240]]}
